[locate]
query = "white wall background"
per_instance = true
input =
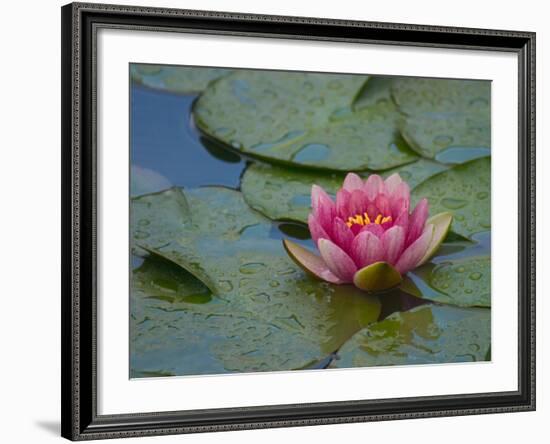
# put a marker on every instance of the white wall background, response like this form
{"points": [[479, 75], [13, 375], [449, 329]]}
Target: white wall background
{"points": [[30, 220]]}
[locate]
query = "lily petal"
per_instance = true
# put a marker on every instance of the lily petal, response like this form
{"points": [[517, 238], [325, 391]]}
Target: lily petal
{"points": [[392, 182], [398, 207], [393, 242], [372, 211], [417, 221], [342, 204], [366, 249], [337, 260], [441, 223], [310, 262], [342, 234], [402, 191], [401, 198], [402, 220], [358, 202], [377, 277], [316, 230], [415, 252], [352, 182], [373, 186], [383, 203], [323, 206], [377, 230]]}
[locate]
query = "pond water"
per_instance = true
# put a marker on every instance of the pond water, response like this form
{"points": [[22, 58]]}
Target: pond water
{"points": [[168, 150]]}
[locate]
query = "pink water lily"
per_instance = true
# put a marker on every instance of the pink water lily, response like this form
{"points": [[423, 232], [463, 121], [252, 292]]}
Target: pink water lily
{"points": [[369, 236]]}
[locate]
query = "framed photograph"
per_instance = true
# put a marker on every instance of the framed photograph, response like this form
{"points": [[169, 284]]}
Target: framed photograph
{"points": [[281, 221]]}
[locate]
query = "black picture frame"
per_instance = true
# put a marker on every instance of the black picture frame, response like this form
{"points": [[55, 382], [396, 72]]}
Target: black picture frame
{"points": [[79, 171]]}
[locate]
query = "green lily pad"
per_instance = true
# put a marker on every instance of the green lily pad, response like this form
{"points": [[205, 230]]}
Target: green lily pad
{"points": [[417, 172], [176, 330], [464, 191], [424, 335], [285, 193], [376, 91], [175, 79], [416, 96], [449, 120], [218, 239], [467, 280], [459, 274], [449, 137], [462, 282], [302, 119]]}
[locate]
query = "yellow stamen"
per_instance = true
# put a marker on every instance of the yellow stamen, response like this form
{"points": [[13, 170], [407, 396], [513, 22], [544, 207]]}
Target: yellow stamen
{"points": [[364, 219]]}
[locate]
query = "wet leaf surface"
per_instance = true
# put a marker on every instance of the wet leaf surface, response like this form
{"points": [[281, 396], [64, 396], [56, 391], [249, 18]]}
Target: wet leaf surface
{"points": [[175, 79], [303, 119], [424, 335], [449, 120], [449, 137], [465, 191], [289, 319], [459, 274], [374, 92], [177, 328], [414, 95]]}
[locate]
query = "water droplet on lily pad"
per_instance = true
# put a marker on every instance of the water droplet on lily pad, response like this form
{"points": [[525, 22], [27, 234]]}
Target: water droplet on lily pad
{"points": [[442, 140], [141, 235], [311, 153], [475, 276], [453, 204], [251, 268]]}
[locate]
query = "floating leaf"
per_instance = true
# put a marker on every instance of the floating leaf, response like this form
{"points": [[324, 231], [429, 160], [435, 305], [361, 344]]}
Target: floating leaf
{"points": [[449, 120], [416, 96], [374, 92], [417, 172], [449, 137], [163, 280], [464, 283], [172, 334], [303, 119], [468, 281], [424, 335], [464, 191], [459, 274], [221, 241], [285, 193], [175, 79]]}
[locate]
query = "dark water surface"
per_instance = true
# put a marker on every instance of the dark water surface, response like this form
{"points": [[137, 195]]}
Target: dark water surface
{"points": [[165, 140]]}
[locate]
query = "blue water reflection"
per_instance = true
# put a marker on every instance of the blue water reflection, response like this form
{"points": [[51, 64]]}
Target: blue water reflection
{"points": [[165, 144]]}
